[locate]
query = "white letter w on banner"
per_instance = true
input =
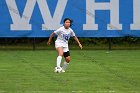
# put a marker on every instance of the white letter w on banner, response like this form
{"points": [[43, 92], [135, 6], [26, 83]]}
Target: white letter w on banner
{"points": [[22, 22]]}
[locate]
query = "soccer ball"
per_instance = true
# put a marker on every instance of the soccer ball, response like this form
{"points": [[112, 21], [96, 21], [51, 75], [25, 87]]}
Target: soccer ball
{"points": [[57, 69]]}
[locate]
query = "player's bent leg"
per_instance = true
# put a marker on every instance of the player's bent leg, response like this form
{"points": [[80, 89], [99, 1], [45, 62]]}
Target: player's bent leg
{"points": [[66, 63], [67, 60]]}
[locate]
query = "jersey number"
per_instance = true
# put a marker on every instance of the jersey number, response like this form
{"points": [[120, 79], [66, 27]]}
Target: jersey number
{"points": [[66, 37]]}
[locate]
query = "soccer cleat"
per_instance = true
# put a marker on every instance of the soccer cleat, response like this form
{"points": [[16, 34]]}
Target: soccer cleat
{"points": [[62, 70]]}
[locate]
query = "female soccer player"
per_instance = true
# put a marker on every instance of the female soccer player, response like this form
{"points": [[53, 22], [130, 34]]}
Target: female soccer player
{"points": [[61, 43]]}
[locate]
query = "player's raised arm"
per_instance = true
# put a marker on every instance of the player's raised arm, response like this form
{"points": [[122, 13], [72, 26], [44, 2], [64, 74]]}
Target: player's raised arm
{"points": [[77, 40], [51, 36]]}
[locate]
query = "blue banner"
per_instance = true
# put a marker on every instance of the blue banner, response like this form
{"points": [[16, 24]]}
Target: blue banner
{"points": [[92, 18]]}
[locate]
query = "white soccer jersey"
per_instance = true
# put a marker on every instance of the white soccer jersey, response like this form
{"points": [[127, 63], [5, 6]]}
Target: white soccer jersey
{"points": [[63, 36]]}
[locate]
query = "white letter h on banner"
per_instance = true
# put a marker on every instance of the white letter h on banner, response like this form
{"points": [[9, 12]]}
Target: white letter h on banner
{"points": [[113, 6]]}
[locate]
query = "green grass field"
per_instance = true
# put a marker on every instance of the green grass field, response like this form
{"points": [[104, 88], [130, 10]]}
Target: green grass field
{"points": [[90, 71]]}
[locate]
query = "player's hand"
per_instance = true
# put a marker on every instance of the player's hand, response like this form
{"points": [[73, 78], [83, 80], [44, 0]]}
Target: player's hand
{"points": [[80, 46], [48, 43]]}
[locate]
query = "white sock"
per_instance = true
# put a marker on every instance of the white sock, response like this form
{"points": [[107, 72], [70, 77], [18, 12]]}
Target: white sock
{"points": [[65, 65], [59, 58]]}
